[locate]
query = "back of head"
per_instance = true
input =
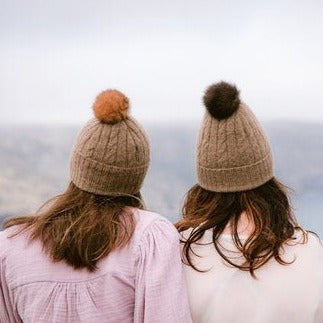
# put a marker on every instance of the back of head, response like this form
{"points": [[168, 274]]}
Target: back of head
{"points": [[107, 169], [235, 176], [233, 152], [111, 154]]}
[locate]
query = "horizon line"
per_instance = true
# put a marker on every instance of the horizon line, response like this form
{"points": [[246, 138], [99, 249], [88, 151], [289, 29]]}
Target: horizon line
{"points": [[153, 123]]}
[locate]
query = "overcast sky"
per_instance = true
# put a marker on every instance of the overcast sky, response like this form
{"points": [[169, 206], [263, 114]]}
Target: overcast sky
{"points": [[56, 55]]}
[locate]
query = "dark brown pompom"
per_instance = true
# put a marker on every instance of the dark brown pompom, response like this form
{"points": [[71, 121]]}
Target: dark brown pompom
{"points": [[221, 100]]}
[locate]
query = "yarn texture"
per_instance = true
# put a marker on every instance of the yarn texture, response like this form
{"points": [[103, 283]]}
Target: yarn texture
{"points": [[233, 153], [112, 154]]}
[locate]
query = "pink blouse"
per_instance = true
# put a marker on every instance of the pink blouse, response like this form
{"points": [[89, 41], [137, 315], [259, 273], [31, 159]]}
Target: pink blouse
{"points": [[142, 282]]}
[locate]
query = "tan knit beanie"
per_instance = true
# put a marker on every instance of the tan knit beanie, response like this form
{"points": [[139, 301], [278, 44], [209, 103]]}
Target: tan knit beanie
{"points": [[233, 152], [111, 154]]}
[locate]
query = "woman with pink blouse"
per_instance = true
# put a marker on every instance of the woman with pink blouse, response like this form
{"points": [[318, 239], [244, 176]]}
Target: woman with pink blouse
{"points": [[93, 254]]}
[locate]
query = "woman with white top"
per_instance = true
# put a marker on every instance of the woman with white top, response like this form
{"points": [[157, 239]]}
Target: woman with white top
{"points": [[245, 257]]}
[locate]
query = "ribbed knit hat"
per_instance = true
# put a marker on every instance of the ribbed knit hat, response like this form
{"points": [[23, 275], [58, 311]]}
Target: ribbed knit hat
{"points": [[111, 154], [233, 152]]}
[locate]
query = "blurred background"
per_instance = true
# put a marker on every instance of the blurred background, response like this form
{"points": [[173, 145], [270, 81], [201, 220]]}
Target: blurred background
{"points": [[56, 56]]}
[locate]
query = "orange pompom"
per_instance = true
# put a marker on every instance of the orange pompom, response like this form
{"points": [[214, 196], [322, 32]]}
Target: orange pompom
{"points": [[111, 106]]}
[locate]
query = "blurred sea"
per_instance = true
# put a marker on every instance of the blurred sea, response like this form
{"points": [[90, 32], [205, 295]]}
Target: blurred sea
{"points": [[34, 164]]}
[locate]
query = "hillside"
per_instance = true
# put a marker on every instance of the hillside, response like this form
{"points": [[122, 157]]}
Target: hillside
{"points": [[34, 166]]}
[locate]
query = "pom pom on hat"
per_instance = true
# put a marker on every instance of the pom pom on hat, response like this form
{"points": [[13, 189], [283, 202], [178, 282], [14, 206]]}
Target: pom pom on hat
{"points": [[111, 106], [221, 100]]}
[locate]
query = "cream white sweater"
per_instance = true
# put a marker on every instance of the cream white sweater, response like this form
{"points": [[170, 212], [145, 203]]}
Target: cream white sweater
{"points": [[280, 294]]}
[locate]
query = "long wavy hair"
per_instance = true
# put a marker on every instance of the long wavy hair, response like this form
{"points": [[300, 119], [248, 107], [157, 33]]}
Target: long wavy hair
{"points": [[267, 207], [80, 228]]}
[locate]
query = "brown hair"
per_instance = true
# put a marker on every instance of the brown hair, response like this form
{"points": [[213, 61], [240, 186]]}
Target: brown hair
{"points": [[268, 208], [80, 227]]}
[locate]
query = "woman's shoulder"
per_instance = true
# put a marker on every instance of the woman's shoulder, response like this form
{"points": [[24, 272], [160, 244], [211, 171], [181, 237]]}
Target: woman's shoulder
{"points": [[3, 243], [305, 238], [13, 240], [7, 239], [307, 242], [145, 219], [153, 225]]}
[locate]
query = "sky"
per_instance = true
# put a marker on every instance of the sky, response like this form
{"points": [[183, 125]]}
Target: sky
{"points": [[57, 55]]}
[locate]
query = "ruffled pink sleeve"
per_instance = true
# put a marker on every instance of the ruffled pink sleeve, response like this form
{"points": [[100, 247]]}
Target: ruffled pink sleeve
{"points": [[160, 290], [7, 313]]}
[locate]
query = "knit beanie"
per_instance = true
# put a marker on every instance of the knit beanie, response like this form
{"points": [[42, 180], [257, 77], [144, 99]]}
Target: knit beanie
{"points": [[233, 152], [111, 154]]}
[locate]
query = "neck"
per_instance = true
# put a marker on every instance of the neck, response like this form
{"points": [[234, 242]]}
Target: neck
{"points": [[245, 225]]}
